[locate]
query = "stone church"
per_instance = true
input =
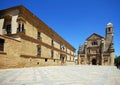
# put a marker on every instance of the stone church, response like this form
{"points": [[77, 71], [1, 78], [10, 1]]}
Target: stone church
{"points": [[98, 50]]}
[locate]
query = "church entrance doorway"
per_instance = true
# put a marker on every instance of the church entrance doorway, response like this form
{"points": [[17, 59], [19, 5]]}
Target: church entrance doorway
{"points": [[94, 62]]}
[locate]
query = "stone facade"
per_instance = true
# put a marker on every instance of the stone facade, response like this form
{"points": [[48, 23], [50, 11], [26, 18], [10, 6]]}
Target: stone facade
{"points": [[27, 41], [98, 50]]}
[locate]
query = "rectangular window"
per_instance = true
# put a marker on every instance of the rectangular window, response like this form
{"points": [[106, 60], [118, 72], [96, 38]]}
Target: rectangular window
{"points": [[39, 51], [8, 29], [1, 45], [52, 43], [21, 27], [52, 53], [38, 35], [109, 29], [45, 59]]}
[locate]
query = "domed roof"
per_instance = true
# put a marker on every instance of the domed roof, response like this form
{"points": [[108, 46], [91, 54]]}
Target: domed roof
{"points": [[109, 24]]}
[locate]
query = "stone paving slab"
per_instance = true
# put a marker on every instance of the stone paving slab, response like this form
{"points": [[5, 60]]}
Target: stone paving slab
{"points": [[61, 75]]}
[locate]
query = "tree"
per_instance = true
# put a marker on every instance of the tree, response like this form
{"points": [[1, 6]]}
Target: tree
{"points": [[117, 61]]}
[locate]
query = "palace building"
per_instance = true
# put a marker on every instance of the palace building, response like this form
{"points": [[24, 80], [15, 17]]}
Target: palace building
{"points": [[27, 41], [98, 50]]}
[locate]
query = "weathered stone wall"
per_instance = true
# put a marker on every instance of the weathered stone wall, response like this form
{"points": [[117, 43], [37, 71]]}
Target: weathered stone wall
{"points": [[56, 55], [68, 57], [29, 62], [56, 45], [68, 51], [28, 48], [45, 52], [72, 58], [30, 30], [46, 39], [12, 49]]}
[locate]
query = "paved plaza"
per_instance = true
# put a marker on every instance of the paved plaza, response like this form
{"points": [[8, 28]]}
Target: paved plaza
{"points": [[61, 75]]}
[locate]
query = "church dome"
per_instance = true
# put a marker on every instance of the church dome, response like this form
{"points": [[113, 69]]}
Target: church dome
{"points": [[109, 24]]}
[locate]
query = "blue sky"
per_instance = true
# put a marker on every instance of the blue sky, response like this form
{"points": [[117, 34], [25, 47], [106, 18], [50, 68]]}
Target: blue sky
{"points": [[75, 20]]}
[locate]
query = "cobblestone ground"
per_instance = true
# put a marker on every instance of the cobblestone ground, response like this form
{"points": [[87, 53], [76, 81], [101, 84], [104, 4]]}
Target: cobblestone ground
{"points": [[61, 75]]}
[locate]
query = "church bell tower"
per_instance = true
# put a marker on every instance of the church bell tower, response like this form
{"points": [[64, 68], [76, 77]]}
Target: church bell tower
{"points": [[109, 32], [109, 42]]}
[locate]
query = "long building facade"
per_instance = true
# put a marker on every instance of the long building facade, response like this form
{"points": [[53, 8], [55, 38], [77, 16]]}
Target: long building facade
{"points": [[26, 41], [98, 50]]}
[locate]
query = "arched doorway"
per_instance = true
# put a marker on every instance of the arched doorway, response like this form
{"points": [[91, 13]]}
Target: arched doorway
{"points": [[94, 61]]}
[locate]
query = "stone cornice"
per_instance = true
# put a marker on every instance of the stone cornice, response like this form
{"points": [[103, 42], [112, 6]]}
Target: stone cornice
{"points": [[8, 37], [39, 24]]}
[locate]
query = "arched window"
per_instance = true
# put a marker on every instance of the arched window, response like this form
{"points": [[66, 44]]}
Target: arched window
{"points": [[21, 24], [109, 29]]}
